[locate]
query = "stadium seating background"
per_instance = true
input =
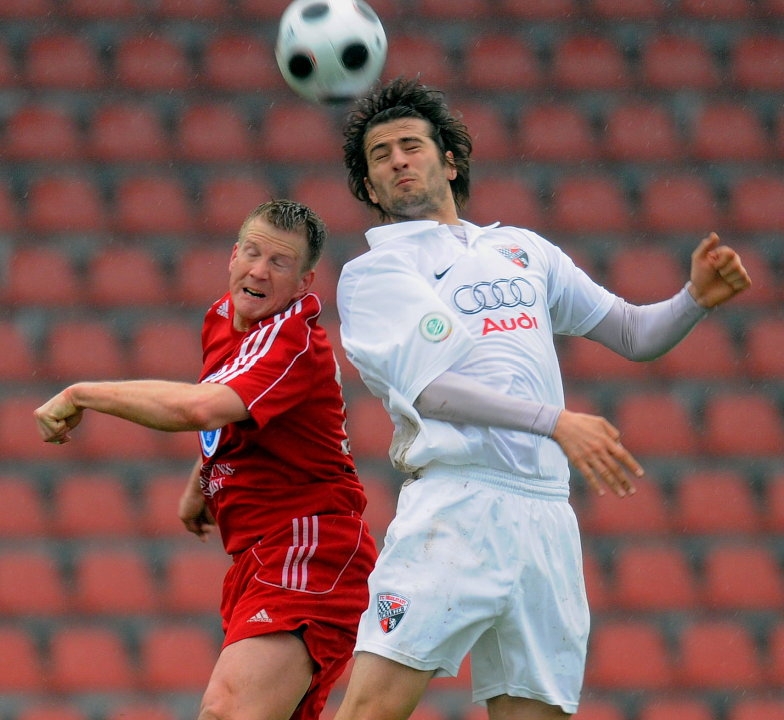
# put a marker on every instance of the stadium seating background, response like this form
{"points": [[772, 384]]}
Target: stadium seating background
{"points": [[134, 137]]}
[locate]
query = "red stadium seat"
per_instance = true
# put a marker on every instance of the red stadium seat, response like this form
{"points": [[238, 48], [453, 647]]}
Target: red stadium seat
{"points": [[193, 580], [742, 424], [644, 513], [679, 203], [168, 350], [653, 578], [108, 438], [641, 132], [628, 655], [66, 360], [588, 62], [773, 505], [775, 654], [667, 708], [718, 654], [22, 666], [451, 9], [108, 513], [596, 585], [655, 423], [329, 196], [728, 131], [538, 9], [491, 138], [422, 55], [126, 276], [122, 132], [18, 361], [725, 492], [755, 204], [105, 10], [65, 204], [153, 204], [151, 62], [588, 204], [663, 275], [742, 577], [262, 9], [508, 199], [707, 352], [213, 132], [63, 61], [227, 199], [716, 9], [90, 659], [239, 62], [587, 360], [369, 427], [293, 133], [191, 9], [113, 582], [27, 9], [764, 349], [202, 274], [628, 9], [758, 63], [671, 62], [177, 658], [31, 584], [556, 132], [41, 132], [500, 62], [42, 276], [29, 517], [756, 708], [160, 499]]}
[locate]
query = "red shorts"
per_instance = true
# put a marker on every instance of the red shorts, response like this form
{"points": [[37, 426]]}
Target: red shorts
{"points": [[311, 577]]}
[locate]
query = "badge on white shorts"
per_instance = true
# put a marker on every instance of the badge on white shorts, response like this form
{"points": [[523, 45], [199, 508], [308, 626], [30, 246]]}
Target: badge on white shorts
{"points": [[391, 609]]}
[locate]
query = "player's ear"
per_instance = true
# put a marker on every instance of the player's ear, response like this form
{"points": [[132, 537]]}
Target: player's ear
{"points": [[370, 191], [450, 161], [234, 252], [304, 284]]}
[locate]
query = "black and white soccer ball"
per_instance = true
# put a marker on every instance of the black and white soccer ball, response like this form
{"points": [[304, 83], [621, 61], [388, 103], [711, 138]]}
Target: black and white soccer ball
{"points": [[330, 51]]}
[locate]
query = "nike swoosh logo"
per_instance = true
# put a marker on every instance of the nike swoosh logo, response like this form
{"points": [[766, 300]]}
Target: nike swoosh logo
{"points": [[438, 276]]}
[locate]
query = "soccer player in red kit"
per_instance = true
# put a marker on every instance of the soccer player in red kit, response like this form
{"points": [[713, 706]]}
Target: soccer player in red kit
{"points": [[275, 473]]}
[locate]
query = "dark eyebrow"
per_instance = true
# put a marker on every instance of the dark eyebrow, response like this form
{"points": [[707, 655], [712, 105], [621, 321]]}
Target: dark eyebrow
{"points": [[401, 141]]}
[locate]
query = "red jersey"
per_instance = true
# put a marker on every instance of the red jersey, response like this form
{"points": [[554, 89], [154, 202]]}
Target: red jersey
{"points": [[291, 458]]}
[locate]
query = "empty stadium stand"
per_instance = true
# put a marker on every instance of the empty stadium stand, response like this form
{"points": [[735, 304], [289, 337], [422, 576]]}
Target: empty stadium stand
{"points": [[137, 135]]}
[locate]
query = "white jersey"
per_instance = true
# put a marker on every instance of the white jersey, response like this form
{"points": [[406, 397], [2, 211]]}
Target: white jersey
{"points": [[421, 302]]}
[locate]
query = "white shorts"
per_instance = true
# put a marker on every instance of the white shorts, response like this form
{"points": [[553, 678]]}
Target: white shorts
{"points": [[472, 568]]}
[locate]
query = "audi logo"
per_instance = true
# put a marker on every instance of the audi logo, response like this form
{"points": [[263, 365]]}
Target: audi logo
{"points": [[508, 293]]}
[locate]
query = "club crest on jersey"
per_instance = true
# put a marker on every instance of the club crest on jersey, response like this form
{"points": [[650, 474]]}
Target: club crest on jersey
{"points": [[517, 255], [390, 609], [209, 441]]}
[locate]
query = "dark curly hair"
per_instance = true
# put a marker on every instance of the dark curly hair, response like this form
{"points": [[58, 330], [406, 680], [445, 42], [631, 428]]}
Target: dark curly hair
{"points": [[404, 98]]}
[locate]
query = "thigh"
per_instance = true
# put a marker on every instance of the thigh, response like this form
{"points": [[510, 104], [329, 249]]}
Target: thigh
{"points": [[258, 678], [504, 707], [381, 689]]}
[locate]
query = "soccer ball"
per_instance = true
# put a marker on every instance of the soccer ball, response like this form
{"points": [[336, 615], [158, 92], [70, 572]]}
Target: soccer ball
{"points": [[330, 51]]}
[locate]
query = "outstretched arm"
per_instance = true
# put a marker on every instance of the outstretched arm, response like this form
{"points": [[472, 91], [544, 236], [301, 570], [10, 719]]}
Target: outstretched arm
{"points": [[645, 332], [157, 404]]}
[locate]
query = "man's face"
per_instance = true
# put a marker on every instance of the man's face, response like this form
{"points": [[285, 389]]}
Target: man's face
{"points": [[266, 272], [407, 176]]}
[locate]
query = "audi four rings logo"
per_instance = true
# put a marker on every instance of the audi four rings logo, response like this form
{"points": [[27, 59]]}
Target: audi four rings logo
{"points": [[505, 292]]}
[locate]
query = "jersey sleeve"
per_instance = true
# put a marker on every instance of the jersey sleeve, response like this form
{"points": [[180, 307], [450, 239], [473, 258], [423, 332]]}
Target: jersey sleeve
{"points": [[402, 355], [577, 303]]}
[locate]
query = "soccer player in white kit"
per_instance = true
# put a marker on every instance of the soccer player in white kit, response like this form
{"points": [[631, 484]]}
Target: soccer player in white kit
{"points": [[451, 325]]}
